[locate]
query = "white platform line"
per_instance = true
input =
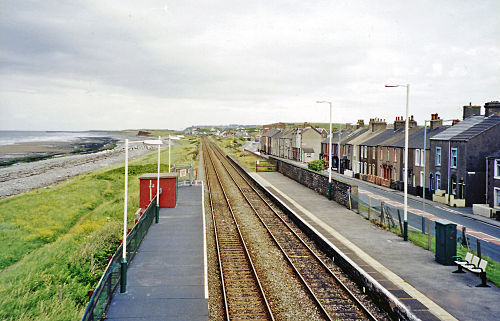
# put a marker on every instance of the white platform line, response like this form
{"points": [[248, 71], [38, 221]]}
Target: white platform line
{"points": [[205, 265]]}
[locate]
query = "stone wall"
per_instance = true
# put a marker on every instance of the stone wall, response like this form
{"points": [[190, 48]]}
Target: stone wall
{"points": [[319, 183]]}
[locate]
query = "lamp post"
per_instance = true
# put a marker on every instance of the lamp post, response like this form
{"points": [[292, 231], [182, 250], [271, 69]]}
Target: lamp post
{"points": [[329, 151], [123, 277], [405, 225]]}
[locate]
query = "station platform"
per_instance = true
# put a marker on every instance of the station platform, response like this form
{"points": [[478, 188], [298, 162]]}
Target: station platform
{"points": [[167, 278], [429, 290]]}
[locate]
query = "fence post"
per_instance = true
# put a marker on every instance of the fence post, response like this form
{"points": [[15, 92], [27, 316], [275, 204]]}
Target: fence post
{"points": [[369, 207], [428, 234], [400, 223], [382, 220]]}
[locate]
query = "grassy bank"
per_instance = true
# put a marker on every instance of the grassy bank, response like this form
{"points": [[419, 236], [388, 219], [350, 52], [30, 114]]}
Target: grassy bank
{"points": [[60, 237], [232, 147]]}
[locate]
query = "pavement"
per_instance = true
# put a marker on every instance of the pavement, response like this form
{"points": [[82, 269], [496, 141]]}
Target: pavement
{"points": [[167, 278], [409, 272]]}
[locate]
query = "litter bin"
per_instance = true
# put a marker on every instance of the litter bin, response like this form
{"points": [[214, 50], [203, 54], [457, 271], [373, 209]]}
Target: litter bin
{"points": [[446, 242]]}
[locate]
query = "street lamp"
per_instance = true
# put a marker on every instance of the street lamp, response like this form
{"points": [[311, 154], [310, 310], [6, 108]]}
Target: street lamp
{"points": [[123, 279], [405, 226], [329, 151]]}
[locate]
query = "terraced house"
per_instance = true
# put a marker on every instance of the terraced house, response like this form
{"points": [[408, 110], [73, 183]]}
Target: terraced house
{"points": [[458, 159]]}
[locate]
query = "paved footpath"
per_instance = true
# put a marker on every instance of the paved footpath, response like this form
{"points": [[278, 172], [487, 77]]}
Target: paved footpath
{"points": [[167, 279], [409, 272]]}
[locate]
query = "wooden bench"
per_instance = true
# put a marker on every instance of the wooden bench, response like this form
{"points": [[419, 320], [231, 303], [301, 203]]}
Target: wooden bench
{"points": [[473, 264]]}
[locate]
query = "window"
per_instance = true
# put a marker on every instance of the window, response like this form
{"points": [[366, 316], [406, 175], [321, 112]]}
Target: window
{"points": [[373, 152], [422, 179], [497, 197], [364, 170], [422, 157], [381, 153], [453, 159], [417, 157], [388, 153], [395, 157], [438, 180], [497, 168], [438, 156]]}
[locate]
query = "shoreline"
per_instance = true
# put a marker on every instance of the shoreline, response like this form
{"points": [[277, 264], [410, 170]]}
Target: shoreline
{"points": [[23, 177]]}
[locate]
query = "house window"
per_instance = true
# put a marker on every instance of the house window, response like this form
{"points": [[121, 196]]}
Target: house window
{"points": [[364, 169], [388, 154], [438, 156], [395, 155], [373, 152], [497, 197], [453, 159], [422, 179], [422, 157], [417, 157], [497, 168], [381, 154], [438, 180]]}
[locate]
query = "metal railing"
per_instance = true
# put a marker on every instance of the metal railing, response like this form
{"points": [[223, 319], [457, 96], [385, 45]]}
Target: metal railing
{"points": [[110, 280], [391, 216]]}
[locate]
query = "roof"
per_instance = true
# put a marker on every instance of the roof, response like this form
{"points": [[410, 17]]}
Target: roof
{"points": [[335, 136], [155, 175], [366, 135], [382, 137], [468, 128], [271, 132], [416, 139]]}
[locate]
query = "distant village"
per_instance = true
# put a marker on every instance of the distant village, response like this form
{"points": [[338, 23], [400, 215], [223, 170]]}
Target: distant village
{"points": [[460, 161]]}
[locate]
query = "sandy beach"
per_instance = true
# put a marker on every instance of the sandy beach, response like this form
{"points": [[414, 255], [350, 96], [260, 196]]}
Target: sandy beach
{"points": [[23, 177]]}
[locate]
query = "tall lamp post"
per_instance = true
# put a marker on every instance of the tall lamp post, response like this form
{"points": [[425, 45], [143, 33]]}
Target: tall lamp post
{"points": [[329, 151], [123, 278], [405, 225]]}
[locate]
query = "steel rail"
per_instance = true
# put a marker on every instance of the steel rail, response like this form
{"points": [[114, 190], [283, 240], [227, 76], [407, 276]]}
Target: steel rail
{"points": [[212, 209], [319, 260], [268, 310]]}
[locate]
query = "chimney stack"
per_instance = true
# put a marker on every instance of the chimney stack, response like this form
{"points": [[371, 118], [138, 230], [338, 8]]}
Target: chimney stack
{"points": [[377, 124], [492, 108], [471, 111], [436, 122], [361, 123]]}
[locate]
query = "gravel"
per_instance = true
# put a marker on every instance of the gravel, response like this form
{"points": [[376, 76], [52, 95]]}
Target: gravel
{"points": [[24, 177]]}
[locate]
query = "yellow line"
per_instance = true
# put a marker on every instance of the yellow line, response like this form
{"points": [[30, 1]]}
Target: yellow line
{"points": [[431, 305]]}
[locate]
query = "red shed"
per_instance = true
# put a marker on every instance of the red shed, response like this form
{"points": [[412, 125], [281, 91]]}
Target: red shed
{"points": [[168, 189]]}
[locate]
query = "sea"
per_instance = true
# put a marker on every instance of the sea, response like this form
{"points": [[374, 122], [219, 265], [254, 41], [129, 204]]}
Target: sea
{"points": [[11, 137]]}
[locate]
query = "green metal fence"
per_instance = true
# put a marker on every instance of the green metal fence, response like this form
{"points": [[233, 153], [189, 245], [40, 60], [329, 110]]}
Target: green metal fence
{"points": [[110, 280]]}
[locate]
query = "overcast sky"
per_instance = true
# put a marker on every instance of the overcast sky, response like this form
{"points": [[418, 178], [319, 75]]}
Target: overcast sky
{"points": [[77, 65]]}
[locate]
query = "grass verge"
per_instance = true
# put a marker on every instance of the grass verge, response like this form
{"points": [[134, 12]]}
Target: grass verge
{"points": [[60, 237]]}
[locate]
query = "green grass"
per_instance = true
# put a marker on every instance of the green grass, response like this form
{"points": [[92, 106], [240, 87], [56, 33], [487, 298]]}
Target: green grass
{"points": [[421, 239], [232, 147], [48, 237]]}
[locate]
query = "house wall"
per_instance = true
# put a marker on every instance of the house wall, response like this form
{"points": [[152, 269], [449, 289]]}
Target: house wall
{"points": [[492, 181], [311, 139]]}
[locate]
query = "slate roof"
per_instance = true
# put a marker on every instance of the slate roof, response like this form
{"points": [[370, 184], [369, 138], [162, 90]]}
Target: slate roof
{"points": [[416, 139], [382, 137], [335, 136], [271, 132], [468, 128]]}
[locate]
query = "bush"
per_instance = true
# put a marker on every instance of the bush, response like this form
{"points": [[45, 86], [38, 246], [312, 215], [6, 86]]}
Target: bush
{"points": [[316, 165]]}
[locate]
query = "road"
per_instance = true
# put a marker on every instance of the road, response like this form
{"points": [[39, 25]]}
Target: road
{"points": [[488, 231]]}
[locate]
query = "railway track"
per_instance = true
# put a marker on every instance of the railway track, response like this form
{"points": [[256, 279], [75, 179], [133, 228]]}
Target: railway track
{"points": [[243, 296], [333, 300]]}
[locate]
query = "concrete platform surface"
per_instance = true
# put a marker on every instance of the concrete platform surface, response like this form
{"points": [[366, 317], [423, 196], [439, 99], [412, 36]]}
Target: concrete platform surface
{"points": [[167, 280], [409, 272]]}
